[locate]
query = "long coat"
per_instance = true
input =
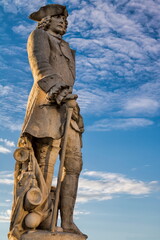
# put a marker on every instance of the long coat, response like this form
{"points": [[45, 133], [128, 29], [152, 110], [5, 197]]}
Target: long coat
{"points": [[51, 61]]}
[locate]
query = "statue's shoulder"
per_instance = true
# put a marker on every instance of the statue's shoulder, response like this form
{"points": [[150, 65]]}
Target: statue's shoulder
{"points": [[38, 34]]}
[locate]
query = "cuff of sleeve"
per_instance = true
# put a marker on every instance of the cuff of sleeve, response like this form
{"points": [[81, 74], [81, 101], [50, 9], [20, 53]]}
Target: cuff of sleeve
{"points": [[48, 82]]}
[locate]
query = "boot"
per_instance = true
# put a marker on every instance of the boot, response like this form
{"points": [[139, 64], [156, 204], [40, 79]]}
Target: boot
{"points": [[67, 202]]}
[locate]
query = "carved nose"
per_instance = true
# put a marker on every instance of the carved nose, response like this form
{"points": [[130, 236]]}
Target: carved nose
{"points": [[61, 21]]}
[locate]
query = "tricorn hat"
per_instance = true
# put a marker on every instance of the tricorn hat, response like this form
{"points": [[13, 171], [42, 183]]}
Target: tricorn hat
{"points": [[49, 10]]}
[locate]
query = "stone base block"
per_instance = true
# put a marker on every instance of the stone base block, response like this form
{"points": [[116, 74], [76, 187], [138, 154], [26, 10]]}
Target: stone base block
{"points": [[46, 235]]}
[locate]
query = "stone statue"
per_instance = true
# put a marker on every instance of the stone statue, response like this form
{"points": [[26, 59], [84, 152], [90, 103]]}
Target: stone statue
{"points": [[52, 62]]}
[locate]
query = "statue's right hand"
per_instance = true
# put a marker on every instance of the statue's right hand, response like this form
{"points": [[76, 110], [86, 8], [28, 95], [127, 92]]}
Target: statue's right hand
{"points": [[53, 92], [56, 90]]}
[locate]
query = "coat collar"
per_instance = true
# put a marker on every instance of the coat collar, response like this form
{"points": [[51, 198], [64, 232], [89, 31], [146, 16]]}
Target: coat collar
{"points": [[58, 36], [66, 51]]}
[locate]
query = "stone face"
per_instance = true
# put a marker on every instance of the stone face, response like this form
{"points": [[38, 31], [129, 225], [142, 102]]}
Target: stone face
{"points": [[46, 235]]}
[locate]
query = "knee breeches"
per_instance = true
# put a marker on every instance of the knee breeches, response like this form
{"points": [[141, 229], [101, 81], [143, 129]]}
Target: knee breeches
{"points": [[47, 150]]}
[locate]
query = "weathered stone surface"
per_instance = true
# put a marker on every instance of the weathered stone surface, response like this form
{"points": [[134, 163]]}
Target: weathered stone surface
{"points": [[46, 235], [52, 127]]}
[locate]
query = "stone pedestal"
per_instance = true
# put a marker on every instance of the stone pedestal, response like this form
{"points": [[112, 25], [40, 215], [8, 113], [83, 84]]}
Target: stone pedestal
{"points": [[46, 235]]}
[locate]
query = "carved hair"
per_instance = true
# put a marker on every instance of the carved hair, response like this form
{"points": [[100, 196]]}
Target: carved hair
{"points": [[45, 23]]}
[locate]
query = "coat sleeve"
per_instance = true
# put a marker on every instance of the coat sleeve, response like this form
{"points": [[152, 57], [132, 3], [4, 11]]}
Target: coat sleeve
{"points": [[38, 48]]}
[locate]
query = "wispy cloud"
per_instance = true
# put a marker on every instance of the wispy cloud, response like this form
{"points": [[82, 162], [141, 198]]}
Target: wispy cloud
{"points": [[6, 177], [82, 212], [7, 142], [141, 105], [24, 29], [5, 216], [118, 57], [13, 100], [119, 124], [103, 186], [143, 101], [4, 150], [4, 204], [11, 50], [4, 90], [78, 213], [16, 6], [10, 123], [8, 146]]}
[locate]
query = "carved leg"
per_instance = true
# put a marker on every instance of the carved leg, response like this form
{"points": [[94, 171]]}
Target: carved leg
{"points": [[68, 198], [73, 166], [46, 152]]}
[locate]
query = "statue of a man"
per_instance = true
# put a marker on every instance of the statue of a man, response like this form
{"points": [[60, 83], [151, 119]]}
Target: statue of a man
{"points": [[52, 62]]}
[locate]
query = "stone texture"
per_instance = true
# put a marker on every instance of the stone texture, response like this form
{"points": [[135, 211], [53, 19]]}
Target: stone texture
{"points": [[52, 127], [46, 235]]}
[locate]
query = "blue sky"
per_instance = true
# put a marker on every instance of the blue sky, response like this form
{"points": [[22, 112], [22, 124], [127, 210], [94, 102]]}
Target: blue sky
{"points": [[118, 66]]}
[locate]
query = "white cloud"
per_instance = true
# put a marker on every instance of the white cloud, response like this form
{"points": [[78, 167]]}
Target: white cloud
{"points": [[7, 142], [4, 90], [150, 89], [15, 6], [10, 123], [6, 181], [118, 52], [119, 124], [100, 186], [97, 101], [11, 50], [5, 216], [6, 177], [105, 186], [73, 3], [141, 105], [4, 150], [82, 212], [24, 29], [13, 107], [141, 102], [2, 204], [78, 213]]}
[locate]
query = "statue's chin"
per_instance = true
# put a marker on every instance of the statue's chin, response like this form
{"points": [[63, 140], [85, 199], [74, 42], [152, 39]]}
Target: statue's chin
{"points": [[61, 32]]}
